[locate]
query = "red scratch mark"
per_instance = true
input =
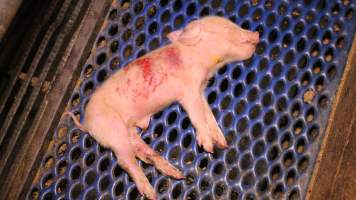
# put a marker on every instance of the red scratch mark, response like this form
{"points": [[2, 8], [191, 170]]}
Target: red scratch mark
{"points": [[145, 64], [173, 57], [152, 75], [149, 77]]}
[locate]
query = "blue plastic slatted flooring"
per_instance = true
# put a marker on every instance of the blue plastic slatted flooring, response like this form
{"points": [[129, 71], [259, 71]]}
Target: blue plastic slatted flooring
{"points": [[272, 108]]}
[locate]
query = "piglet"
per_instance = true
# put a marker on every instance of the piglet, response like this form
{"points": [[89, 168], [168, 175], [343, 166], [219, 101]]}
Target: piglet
{"points": [[177, 72]]}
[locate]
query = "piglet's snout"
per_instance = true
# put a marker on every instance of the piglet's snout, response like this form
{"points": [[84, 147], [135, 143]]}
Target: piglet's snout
{"points": [[254, 37], [249, 37]]}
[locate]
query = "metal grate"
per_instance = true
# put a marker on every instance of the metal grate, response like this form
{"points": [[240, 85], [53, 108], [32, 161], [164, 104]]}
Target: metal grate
{"points": [[272, 108]]}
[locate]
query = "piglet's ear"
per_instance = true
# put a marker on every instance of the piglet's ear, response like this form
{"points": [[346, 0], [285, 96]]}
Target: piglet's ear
{"points": [[173, 36], [191, 34]]}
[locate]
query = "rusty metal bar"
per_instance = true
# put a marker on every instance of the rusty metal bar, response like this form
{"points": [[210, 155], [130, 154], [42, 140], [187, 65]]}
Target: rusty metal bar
{"points": [[77, 51], [27, 51], [25, 98]]}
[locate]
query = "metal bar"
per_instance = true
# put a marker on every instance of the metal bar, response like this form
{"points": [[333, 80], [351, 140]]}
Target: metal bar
{"points": [[74, 23], [26, 49], [66, 78], [32, 69], [61, 40], [10, 94]]}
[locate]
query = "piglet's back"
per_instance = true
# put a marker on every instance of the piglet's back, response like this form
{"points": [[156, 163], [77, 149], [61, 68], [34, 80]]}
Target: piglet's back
{"points": [[144, 85]]}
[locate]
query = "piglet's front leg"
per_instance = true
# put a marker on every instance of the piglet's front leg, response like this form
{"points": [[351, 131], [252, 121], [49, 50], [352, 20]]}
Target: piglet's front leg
{"points": [[207, 130], [215, 131]]}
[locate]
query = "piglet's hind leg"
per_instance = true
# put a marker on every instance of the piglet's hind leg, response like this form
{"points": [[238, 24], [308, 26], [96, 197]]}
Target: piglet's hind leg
{"points": [[110, 131], [128, 162], [148, 155]]}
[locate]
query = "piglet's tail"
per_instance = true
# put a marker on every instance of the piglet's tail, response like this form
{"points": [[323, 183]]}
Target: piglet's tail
{"points": [[76, 121]]}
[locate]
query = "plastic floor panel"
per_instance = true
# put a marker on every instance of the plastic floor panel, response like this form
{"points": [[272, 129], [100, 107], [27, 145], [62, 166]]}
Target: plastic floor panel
{"points": [[272, 108]]}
